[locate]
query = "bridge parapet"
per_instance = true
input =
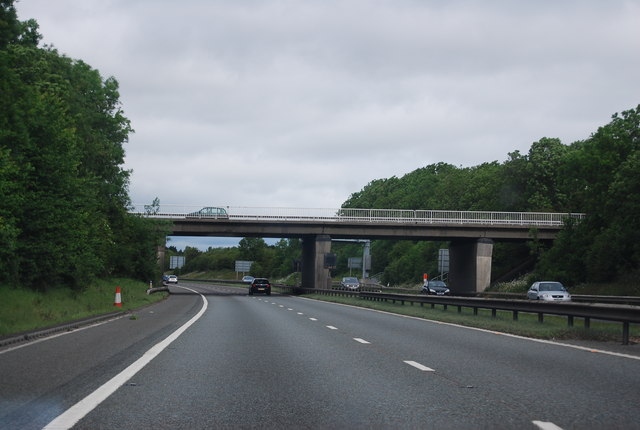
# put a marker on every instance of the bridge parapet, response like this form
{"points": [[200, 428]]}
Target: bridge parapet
{"points": [[401, 216]]}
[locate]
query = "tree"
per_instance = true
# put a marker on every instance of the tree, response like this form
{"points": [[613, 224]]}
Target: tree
{"points": [[64, 217]]}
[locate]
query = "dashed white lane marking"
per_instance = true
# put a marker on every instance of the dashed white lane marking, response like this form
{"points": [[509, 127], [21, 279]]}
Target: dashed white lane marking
{"points": [[330, 327], [515, 336], [546, 425], [74, 414], [313, 319], [357, 339], [289, 309], [419, 366], [300, 313], [282, 306]]}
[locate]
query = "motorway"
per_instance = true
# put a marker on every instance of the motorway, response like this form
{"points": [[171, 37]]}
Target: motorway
{"points": [[277, 361]]}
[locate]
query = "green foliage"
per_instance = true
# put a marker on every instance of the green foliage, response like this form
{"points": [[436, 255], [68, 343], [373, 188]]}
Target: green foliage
{"points": [[601, 177], [63, 219], [598, 176]]}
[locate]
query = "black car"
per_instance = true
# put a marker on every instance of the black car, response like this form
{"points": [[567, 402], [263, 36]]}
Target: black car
{"points": [[438, 288], [260, 285]]}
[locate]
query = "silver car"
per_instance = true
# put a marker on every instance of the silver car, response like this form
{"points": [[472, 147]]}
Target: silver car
{"points": [[350, 283], [209, 212], [550, 291]]}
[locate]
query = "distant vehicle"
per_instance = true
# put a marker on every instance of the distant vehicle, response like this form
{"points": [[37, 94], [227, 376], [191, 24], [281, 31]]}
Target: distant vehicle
{"points": [[439, 288], [260, 285], [549, 291], [350, 283], [165, 278], [209, 212], [248, 279], [172, 279]]}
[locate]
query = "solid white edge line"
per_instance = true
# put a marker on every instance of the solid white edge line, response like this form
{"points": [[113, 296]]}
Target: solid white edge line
{"points": [[419, 366], [550, 342], [74, 414], [53, 336], [546, 425]]}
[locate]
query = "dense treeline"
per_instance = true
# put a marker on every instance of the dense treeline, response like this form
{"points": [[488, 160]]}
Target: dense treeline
{"points": [[64, 193], [598, 176]]}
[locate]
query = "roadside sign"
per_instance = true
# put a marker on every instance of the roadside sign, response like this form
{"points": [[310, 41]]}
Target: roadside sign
{"points": [[176, 261], [243, 266], [443, 261], [354, 262]]}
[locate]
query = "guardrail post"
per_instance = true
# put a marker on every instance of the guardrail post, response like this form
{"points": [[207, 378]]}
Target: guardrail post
{"points": [[625, 333], [540, 317], [570, 320], [587, 322], [515, 315]]}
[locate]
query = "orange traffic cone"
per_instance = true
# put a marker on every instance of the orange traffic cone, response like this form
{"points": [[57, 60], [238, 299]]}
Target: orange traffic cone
{"points": [[118, 301]]}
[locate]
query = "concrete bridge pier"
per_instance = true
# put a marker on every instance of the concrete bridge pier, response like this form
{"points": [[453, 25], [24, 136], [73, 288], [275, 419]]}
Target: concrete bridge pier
{"points": [[470, 265], [314, 248]]}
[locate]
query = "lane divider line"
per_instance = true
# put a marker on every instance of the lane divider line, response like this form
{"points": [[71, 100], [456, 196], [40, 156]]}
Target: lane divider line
{"points": [[74, 414], [357, 339], [419, 366], [546, 425], [330, 327], [515, 336]]}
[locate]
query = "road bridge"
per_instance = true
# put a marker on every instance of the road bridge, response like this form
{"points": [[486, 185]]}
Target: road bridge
{"points": [[471, 233]]}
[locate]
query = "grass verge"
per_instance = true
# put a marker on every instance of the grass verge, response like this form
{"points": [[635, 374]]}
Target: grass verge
{"points": [[23, 310], [553, 327]]}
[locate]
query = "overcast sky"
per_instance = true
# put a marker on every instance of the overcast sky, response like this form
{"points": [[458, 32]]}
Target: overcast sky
{"points": [[295, 103]]}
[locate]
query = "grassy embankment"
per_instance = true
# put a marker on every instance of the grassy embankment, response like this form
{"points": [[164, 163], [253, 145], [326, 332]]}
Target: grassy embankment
{"points": [[23, 310], [553, 327]]}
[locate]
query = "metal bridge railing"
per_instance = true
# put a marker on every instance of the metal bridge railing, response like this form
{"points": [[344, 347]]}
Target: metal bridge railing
{"points": [[359, 215]]}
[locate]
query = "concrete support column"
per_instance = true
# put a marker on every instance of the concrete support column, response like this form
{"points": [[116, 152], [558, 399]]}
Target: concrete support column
{"points": [[314, 274], [470, 266]]}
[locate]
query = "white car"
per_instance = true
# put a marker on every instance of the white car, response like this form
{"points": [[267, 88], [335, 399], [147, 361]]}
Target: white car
{"points": [[173, 279], [549, 291]]}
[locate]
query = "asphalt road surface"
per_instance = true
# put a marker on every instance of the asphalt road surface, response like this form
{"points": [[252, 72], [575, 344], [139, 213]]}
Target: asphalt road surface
{"points": [[224, 359]]}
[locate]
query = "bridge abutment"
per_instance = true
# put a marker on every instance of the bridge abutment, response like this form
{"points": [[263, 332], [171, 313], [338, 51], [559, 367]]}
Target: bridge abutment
{"points": [[314, 273], [470, 265]]}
